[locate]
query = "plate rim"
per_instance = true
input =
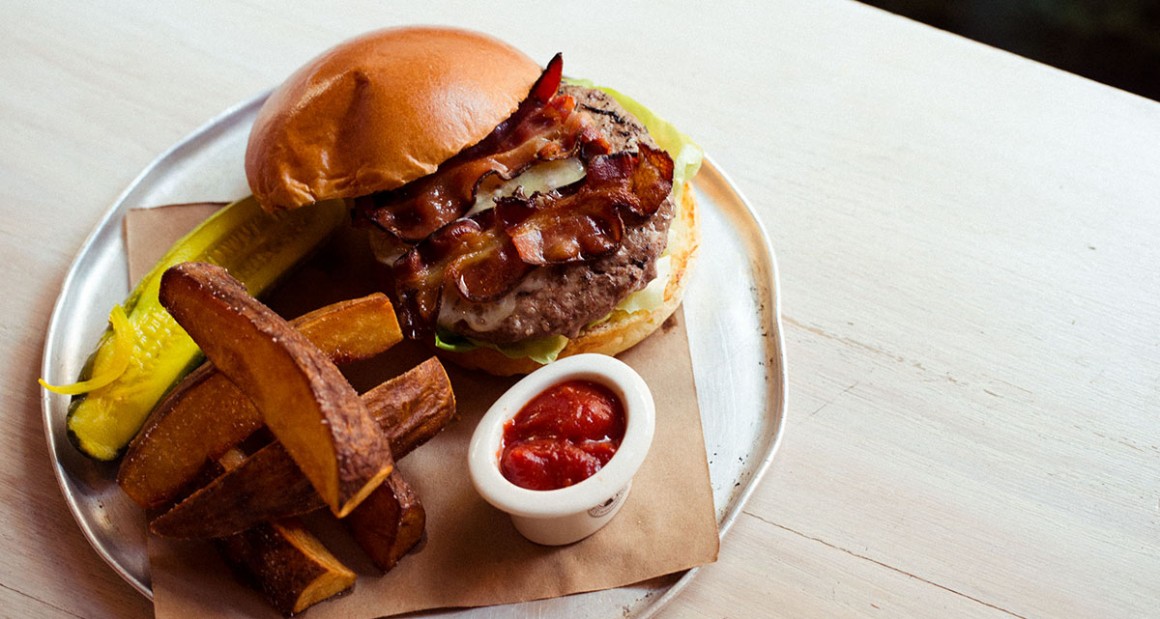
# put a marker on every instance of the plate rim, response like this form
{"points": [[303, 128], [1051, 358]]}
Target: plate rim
{"points": [[780, 404], [710, 176], [112, 216]]}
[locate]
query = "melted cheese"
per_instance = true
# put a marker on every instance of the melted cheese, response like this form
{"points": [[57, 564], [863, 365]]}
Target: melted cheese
{"points": [[483, 317], [539, 178]]}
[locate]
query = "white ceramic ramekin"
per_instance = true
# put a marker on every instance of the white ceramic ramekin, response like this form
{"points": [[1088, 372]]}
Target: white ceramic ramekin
{"points": [[567, 515]]}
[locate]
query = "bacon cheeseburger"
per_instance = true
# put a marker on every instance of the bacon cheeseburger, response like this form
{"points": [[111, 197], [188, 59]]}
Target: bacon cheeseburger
{"points": [[524, 217]]}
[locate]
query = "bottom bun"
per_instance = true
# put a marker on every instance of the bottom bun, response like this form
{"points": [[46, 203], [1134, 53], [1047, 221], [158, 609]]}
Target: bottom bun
{"points": [[622, 330]]}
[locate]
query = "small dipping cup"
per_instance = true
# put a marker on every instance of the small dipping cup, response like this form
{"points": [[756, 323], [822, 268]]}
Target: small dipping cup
{"points": [[570, 514]]}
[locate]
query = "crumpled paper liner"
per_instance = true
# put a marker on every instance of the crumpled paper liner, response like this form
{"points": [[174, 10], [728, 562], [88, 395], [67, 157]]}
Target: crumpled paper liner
{"points": [[473, 556]]}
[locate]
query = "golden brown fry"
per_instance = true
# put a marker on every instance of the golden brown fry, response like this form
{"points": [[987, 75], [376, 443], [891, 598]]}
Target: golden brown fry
{"points": [[287, 563], [411, 408], [414, 406], [206, 414], [389, 523], [304, 400]]}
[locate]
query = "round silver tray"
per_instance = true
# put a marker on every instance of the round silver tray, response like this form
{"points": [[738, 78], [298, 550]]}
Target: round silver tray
{"points": [[734, 336]]}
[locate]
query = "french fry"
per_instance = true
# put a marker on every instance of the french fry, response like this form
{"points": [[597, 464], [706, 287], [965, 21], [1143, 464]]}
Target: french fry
{"points": [[410, 408], [389, 523], [304, 399], [283, 560], [287, 563], [206, 414]]}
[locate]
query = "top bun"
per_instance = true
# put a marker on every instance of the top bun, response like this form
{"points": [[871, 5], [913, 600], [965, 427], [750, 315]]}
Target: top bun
{"points": [[381, 110]]}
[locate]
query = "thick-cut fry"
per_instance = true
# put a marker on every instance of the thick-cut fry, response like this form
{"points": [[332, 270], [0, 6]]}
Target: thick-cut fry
{"points": [[389, 523], [206, 414], [411, 408], [284, 561], [304, 400], [287, 563]]}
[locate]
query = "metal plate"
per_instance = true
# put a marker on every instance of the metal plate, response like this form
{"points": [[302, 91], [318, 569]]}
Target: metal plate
{"points": [[734, 335]]}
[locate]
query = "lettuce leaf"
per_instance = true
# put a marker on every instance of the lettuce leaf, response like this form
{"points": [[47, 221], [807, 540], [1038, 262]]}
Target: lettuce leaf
{"points": [[651, 296], [541, 350]]}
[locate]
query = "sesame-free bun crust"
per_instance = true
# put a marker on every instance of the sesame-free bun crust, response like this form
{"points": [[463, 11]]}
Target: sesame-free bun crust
{"points": [[622, 330], [381, 110]]}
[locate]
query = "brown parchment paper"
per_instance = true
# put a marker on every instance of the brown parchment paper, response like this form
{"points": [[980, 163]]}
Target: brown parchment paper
{"points": [[473, 556]]}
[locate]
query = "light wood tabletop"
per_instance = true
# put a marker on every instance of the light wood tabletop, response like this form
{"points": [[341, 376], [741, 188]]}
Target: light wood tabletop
{"points": [[969, 262]]}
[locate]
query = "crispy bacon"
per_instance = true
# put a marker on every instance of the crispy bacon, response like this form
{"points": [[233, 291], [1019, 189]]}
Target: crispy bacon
{"points": [[545, 127], [486, 255], [589, 223], [474, 254]]}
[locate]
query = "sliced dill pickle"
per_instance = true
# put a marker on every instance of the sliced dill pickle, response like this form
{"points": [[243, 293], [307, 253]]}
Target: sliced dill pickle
{"points": [[256, 247]]}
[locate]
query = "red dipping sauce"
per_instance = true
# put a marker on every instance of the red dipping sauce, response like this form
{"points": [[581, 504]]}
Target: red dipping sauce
{"points": [[562, 436]]}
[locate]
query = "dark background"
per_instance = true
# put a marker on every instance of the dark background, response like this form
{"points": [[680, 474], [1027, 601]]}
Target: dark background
{"points": [[1113, 42]]}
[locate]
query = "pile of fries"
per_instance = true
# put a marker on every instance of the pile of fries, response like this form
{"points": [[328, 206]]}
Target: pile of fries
{"points": [[269, 430]]}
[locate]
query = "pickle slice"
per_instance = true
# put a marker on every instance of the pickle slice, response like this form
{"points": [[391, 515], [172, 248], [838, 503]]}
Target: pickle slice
{"points": [[256, 247]]}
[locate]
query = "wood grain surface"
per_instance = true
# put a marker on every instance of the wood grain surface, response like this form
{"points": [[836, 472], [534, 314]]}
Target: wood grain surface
{"points": [[968, 252]]}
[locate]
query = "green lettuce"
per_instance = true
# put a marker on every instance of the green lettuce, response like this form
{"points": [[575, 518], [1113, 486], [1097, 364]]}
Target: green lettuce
{"points": [[541, 350]]}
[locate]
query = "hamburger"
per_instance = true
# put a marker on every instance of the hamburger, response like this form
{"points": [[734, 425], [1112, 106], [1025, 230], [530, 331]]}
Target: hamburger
{"points": [[522, 216]]}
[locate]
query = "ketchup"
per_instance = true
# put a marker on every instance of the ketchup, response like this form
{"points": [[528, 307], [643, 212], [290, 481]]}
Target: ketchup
{"points": [[562, 436]]}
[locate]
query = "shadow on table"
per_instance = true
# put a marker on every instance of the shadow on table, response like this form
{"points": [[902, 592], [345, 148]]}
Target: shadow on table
{"points": [[1116, 43]]}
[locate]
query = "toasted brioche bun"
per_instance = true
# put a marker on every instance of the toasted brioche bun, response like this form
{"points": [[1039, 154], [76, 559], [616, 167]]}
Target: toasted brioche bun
{"points": [[379, 111], [622, 330]]}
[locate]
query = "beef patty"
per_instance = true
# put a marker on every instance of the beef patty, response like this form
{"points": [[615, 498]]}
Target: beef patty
{"points": [[563, 299]]}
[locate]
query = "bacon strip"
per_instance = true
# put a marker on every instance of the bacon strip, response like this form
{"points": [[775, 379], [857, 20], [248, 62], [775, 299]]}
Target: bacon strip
{"points": [[588, 224], [473, 254], [545, 127], [486, 255]]}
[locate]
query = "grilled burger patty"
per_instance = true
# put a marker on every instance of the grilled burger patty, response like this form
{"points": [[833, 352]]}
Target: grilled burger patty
{"points": [[562, 299]]}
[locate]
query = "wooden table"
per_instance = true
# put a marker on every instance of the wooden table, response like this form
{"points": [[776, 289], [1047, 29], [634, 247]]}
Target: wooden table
{"points": [[969, 256]]}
